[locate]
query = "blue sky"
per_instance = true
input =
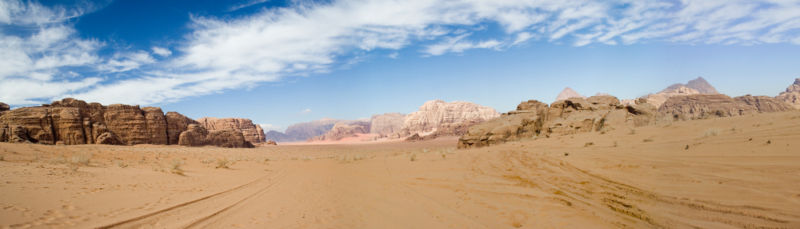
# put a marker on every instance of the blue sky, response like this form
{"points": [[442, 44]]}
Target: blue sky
{"points": [[282, 62]]}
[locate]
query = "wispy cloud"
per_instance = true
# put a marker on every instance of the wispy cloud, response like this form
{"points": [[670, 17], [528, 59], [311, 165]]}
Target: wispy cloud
{"points": [[305, 38], [249, 3], [305, 111]]}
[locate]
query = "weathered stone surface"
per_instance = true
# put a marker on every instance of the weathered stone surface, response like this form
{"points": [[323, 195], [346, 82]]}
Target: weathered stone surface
{"points": [[253, 133], [32, 124], [271, 142], [439, 117], [575, 115], [176, 123], [387, 124], [68, 125], [156, 125], [764, 103], [108, 138], [197, 135], [792, 94], [704, 106], [4, 107], [128, 122]]}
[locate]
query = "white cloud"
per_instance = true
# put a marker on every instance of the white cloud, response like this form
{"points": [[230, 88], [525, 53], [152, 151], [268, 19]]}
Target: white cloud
{"points": [[305, 111], [305, 38], [268, 127], [161, 51]]}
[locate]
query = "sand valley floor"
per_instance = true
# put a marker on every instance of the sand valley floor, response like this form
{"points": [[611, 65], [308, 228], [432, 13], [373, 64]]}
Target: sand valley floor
{"points": [[741, 172]]}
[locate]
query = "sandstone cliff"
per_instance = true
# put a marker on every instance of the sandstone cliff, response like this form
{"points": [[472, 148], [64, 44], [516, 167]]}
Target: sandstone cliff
{"points": [[385, 125], [792, 94], [252, 133], [442, 118], [197, 135], [71, 121], [707, 106]]}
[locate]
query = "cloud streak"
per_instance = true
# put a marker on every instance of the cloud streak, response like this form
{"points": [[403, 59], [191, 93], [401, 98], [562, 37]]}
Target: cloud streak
{"points": [[306, 38]]}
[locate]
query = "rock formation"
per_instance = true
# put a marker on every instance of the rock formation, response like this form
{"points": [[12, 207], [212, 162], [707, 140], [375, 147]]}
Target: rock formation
{"points": [[387, 124], [343, 130], [568, 93], [177, 123], [442, 118], [707, 106], [303, 131], [4, 107], [575, 115], [791, 96], [197, 135], [252, 133], [71, 121]]}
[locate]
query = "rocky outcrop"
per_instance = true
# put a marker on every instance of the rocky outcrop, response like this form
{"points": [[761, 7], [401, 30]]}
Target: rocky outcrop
{"points": [[708, 106], [197, 135], [699, 84], [792, 94], [130, 124], [575, 115], [442, 118], [568, 93], [176, 123], [303, 131], [343, 130], [4, 107], [252, 133], [387, 124], [764, 104]]}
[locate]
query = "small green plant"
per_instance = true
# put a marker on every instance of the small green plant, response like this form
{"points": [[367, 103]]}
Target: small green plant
{"points": [[223, 163]]}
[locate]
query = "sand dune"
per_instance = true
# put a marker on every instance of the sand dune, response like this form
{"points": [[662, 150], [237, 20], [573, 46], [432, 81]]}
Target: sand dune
{"points": [[741, 172]]}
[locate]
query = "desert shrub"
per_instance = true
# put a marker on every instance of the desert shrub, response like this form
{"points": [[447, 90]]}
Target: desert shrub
{"points": [[413, 157], [647, 140], [223, 163], [121, 164], [175, 167], [711, 132]]}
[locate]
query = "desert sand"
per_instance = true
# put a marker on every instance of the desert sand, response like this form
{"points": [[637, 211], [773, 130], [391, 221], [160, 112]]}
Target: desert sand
{"points": [[740, 172]]}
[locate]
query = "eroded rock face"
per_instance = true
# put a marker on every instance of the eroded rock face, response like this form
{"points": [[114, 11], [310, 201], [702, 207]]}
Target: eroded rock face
{"points": [[29, 124], [197, 135], [764, 104], [176, 123], [704, 106], [442, 117], [253, 133], [792, 94], [4, 107], [387, 124], [575, 115]]}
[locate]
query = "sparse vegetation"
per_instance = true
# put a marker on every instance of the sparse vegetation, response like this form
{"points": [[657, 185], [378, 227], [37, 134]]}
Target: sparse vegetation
{"points": [[223, 163], [413, 157], [121, 164], [175, 167], [711, 132], [78, 160], [588, 144], [647, 140]]}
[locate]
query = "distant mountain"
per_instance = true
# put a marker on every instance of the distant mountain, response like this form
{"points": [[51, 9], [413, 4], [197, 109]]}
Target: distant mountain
{"points": [[701, 85], [303, 131], [568, 93], [693, 87]]}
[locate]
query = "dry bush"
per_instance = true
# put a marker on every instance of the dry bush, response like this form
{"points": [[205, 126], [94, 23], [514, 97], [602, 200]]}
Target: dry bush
{"points": [[223, 163], [711, 132], [413, 157], [175, 167], [121, 164], [78, 160]]}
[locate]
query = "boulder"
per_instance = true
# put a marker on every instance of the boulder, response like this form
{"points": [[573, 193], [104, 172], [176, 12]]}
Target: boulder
{"points": [[252, 133], [108, 138], [271, 142], [4, 107], [176, 124], [197, 135]]}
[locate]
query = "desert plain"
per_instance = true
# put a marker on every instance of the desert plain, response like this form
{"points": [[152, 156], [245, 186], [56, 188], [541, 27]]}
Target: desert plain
{"points": [[734, 172]]}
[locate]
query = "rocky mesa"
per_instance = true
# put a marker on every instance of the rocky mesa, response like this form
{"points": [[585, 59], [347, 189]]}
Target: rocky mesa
{"points": [[71, 121]]}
